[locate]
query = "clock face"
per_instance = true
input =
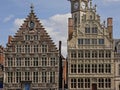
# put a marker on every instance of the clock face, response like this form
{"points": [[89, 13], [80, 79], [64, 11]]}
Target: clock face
{"points": [[32, 25], [83, 5], [76, 5]]}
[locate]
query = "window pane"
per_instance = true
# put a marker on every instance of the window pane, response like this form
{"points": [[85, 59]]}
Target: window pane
{"points": [[87, 30], [80, 41], [101, 41], [87, 41]]}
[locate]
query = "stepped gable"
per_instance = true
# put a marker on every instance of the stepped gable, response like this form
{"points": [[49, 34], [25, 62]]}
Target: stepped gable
{"points": [[37, 29]]}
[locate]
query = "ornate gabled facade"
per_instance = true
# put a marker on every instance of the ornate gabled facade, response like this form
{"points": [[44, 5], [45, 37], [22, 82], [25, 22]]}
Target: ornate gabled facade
{"points": [[90, 49], [31, 58]]}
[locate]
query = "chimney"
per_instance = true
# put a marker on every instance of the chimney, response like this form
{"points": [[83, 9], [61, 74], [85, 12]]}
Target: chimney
{"points": [[70, 28], [9, 39], [110, 27]]}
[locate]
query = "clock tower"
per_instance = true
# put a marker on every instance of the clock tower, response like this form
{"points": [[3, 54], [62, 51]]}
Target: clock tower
{"points": [[90, 49], [78, 10]]}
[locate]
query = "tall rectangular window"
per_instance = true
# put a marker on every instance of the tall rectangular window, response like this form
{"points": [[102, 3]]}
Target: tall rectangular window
{"points": [[94, 30], [35, 77], [87, 83], [44, 77], [35, 48], [87, 30], [27, 76], [73, 83], [108, 83], [35, 61], [10, 61], [80, 54], [101, 83], [108, 68], [18, 77], [27, 48], [94, 68], [87, 68], [101, 68], [18, 48], [73, 54], [80, 83], [44, 48], [87, 54], [52, 61], [101, 41], [52, 77], [35, 37], [44, 61], [18, 61], [73, 68], [80, 68], [101, 54], [10, 77], [108, 54], [94, 41], [94, 54], [27, 61], [80, 41], [87, 41]]}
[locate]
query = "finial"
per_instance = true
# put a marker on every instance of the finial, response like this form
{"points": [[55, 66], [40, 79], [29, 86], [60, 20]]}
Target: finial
{"points": [[32, 7], [90, 3], [104, 22], [95, 7]]}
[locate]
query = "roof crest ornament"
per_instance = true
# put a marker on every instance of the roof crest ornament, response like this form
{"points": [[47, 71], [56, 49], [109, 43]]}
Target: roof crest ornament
{"points": [[32, 7], [90, 3]]}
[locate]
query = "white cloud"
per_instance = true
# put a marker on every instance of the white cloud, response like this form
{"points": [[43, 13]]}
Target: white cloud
{"points": [[18, 22], [8, 18], [56, 26]]}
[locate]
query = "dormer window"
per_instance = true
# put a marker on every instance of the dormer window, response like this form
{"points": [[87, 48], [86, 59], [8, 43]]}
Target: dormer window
{"points": [[87, 29], [94, 29]]}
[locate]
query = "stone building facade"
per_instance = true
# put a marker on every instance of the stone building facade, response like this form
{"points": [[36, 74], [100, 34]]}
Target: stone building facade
{"points": [[31, 58], [2, 56], [117, 63], [90, 49]]}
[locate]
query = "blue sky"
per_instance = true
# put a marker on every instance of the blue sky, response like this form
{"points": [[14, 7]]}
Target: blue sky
{"points": [[53, 14]]}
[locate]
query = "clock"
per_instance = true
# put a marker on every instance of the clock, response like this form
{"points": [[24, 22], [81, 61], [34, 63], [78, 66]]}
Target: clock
{"points": [[83, 5], [76, 5], [32, 25]]}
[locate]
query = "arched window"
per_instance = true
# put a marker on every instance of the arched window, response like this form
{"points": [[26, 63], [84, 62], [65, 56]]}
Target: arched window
{"points": [[94, 29], [87, 29]]}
